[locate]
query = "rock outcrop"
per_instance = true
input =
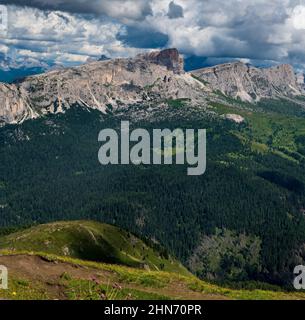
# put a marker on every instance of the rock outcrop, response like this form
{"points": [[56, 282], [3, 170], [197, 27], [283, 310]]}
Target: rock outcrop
{"points": [[100, 85], [148, 78], [169, 58], [248, 83]]}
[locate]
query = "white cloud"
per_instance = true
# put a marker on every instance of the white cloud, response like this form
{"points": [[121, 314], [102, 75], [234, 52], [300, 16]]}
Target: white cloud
{"points": [[58, 35], [250, 29], [4, 49], [298, 17], [253, 29]]}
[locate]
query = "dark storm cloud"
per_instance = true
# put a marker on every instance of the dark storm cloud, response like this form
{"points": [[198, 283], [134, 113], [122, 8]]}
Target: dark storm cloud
{"points": [[120, 9], [145, 38], [175, 11]]}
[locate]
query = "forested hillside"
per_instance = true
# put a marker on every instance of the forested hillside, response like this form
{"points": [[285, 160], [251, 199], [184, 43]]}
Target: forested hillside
{"points": [[243, 219]]}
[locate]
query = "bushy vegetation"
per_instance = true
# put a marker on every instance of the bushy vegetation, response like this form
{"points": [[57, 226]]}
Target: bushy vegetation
{"points": [[226, 256]]}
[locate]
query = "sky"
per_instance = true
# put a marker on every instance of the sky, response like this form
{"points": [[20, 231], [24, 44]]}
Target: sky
{"points": [[69, 32]]}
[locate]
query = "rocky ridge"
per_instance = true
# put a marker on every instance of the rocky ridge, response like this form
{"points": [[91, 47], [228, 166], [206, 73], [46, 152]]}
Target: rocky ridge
{"points": [[250, 84], [149, 78], [100, 85]]}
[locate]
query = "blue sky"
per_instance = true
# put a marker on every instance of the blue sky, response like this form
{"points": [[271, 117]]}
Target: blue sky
{"points": [[70, 32]]}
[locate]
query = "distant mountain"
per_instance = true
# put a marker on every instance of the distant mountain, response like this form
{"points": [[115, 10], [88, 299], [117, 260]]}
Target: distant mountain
{"points": [[12, 70], [149, 78], [243, 81], [12, 75], [242, 220], [100, 85], [197, 62]]}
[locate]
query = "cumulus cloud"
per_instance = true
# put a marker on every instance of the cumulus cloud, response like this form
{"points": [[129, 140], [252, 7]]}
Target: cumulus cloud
{"points": [[253, 29], [257, 30], [298, 17], [61, 36]]}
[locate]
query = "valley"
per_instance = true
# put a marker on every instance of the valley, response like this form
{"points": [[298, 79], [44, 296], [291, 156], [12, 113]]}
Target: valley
{"points": [[243, 220]]}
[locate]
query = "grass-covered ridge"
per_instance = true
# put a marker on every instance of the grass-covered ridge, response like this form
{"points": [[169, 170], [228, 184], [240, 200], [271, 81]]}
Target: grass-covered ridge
{"points": [[43, 276], [92, 241], [51, 261]]}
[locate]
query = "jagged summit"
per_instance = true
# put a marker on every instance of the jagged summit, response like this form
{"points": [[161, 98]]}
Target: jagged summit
{"points": [[155, 77], [169, 58], [240, 80], [152, 77]]}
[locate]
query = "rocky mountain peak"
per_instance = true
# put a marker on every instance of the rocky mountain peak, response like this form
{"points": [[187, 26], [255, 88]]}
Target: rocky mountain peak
{"points": [[149, 78], [169, 58], [249, 83], [102, 85]]}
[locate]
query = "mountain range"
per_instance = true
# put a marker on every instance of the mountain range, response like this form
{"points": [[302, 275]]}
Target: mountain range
{"points": [[15, 69], [239, 80], [151, 77], [242, 220]]}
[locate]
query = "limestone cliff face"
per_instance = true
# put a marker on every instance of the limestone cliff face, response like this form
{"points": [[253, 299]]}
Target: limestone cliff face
{"points": [[301, 81], [169, 58], [147, 78], [248, 83], [13, 104], [99, 85]]}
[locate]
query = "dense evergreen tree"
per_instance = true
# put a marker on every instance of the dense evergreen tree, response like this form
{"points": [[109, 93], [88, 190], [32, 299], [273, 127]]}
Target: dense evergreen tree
{"points": [[49, 171]]}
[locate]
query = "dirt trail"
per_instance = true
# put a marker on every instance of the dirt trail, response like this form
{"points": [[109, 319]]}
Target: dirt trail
{"points": [[38, 268], [48, 273]]}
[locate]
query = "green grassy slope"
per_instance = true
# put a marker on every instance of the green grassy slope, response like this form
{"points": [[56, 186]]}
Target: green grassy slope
{"points": [[51, 261], [45, 276], [279, 133], [92, 241]]}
